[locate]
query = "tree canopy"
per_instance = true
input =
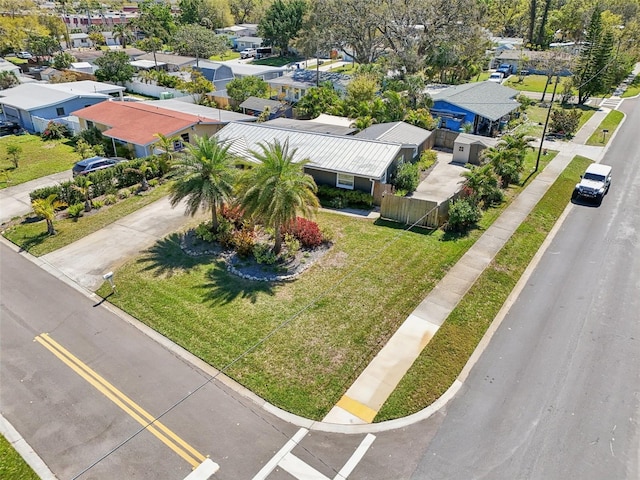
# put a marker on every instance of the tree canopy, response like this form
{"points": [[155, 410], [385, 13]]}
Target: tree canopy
{"points": [[281, 23], [114, 66]]}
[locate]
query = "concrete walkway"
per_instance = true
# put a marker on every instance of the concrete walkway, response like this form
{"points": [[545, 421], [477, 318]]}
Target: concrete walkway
{"points": [[88, 259], [15, 201], [362, 401]]}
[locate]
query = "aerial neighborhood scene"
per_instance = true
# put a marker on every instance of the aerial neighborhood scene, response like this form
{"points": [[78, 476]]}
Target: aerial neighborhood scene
{"points": [[319, 239]]}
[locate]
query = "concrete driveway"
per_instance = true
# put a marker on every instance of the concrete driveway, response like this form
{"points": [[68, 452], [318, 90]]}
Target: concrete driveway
{"points": [[15, 201], [86, 260], [443, 181]]}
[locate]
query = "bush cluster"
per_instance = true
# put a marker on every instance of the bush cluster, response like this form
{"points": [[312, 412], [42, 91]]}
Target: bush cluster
{"points": [[55, 131], [407, 177], [333, 197], [463, 214], [307, 232]]}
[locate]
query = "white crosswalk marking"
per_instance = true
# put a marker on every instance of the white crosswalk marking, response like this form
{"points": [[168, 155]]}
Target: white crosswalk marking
{"points": [[297, 468]]}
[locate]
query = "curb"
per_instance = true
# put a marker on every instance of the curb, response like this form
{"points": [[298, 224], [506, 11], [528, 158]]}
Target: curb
{"points": [[25, 450]]}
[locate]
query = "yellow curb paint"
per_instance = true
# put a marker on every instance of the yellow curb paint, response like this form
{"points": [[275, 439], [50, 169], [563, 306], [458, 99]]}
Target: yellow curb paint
{"points": [[164, 434], [356, 408]]}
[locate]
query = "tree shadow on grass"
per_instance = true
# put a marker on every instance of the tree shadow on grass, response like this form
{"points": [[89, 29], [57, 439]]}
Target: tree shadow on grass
{"points": [[401, 226], [224, 287], [167, 258], [27, 244]]}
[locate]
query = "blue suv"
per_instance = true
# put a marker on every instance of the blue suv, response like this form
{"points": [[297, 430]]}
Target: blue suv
{"points": [[90, 165]]}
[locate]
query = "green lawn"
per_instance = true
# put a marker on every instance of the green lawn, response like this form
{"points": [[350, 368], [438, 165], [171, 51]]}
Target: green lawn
{"points": [[32, 236], [38, 158], [275, 61], [230, 55], [444, 357], [307, 340], [12, 465], [346, 69], [633, 89], [537, 115], [534, 83], [610, 123]]}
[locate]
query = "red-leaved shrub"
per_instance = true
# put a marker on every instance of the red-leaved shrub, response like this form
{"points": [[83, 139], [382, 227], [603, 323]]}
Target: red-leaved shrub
{"points": [[233, 213], [306, 231]]}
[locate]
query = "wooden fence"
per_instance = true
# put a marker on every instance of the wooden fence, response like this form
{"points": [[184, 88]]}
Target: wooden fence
{"points": [[414, 211]]}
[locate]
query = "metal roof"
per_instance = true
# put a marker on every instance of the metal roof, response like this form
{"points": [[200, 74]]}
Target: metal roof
{"points": [[216, 114], [487, 99], [32, 96], [260, 104], [397, 132], [168, 58], [309, 126], [335, 153]]}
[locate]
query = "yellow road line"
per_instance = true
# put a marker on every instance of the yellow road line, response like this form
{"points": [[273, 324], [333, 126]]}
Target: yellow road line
{"points": [[356, 408], [143, 417]]}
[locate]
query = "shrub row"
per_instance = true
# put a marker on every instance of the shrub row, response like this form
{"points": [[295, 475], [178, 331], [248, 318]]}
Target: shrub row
{"points": [[104, 182], [340, 198]]}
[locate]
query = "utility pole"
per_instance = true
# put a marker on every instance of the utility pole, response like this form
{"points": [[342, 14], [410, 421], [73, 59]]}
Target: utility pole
{"points": [[546, 122]]}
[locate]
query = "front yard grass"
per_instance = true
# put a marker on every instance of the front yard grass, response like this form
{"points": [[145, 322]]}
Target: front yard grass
{"points": [[610, 123], [37, 159], [33, 237], [275, 61], [298, 344], [13, 465], [230, 55], [444, 357], [536, 116], [534, 83]]}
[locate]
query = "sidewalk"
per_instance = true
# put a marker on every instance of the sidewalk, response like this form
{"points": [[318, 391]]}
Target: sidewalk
{"points": [[362, 401]]}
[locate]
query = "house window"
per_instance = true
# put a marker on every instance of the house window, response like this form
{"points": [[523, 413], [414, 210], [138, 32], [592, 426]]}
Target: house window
{"points": [[461, 148], [90, 124], [179, 144], [60, 111], [345, 181]]}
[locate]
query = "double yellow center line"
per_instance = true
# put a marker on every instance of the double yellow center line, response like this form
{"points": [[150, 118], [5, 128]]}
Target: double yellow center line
{"points": [[139, 414]]}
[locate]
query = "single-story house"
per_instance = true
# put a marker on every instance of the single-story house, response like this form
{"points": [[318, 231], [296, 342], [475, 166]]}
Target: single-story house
{"points": [[32, 105], [265, 72], [135, 124], [83, 67], [234, 31], [256, 106], [293, 86], [173, 62], [486, 106], [414, 140], [336, 160], [49, 74], [80, 40], [216, 72], [147, 65], [240, 43], [311, 126], [468, 148]]}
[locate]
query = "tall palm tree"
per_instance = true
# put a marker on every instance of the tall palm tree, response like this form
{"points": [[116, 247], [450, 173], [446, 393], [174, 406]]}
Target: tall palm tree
{"points": [[46, 208], [144, 169], [204, 176], [277, 189], [124, 33]]}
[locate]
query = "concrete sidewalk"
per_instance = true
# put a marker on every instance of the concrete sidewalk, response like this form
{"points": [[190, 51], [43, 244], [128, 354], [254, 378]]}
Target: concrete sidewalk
{"points": [[362, 401], [15, 201]]}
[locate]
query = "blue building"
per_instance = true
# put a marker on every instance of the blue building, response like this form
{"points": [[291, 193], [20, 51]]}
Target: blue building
{"points": [[33, 105], [485, 106]]}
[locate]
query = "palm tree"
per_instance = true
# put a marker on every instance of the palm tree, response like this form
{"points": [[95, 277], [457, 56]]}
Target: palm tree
{"points": [[46, 208], [166, 144], [143, 170], [277, 190], [124, 33], [83, 185], [204, 176], [483, 183]]}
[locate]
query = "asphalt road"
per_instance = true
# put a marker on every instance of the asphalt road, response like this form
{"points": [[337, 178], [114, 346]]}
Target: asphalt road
{"points": [[556, 395]]}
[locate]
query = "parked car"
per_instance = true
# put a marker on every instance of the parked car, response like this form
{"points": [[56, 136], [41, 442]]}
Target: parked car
{"points": [[93, 164], [7, 128], [506, 69], [248, 53], [595, 183], [496, 77], [24, 55]]}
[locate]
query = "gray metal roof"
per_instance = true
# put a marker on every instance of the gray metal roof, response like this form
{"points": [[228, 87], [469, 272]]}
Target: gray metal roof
{"points": [[397, 132], [168, 58], [344, 154], [216, 114], [308, 126], [487, 99], [258, 104], [31, 96], [470, 139]]}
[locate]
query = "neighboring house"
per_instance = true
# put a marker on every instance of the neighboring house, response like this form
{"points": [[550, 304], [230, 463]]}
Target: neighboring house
{"points": [[173, 62], [217, 115], [222, 73], [49, 74], [80, 40], [247, 42], [311, 126], [32, 105], [468, 148], [135, 124], [486, 106], [414, 140], [83, 67], [140, 65], [265, 72], [336, 160], [107, 20], [256, 106], [241, 30], [293, 86]]}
